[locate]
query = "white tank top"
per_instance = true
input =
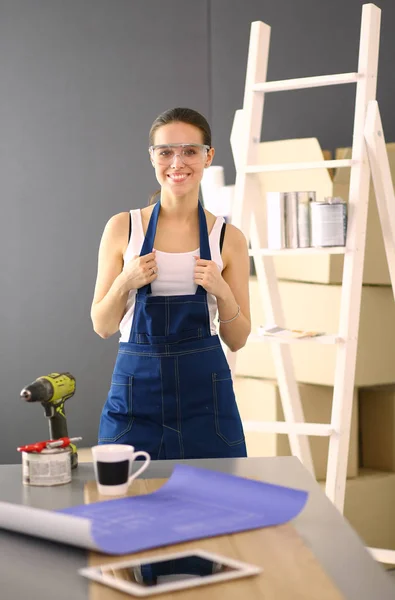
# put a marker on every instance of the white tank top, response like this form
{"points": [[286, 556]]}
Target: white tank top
{"points": [[175, 272]]}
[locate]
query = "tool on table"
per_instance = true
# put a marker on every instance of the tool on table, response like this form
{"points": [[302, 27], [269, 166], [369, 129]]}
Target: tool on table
{"points": [[52, 391], [48, 462], [39, 446]]}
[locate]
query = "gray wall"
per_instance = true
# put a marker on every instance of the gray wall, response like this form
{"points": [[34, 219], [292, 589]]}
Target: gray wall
{"points": [[308, 37], [81, 82]]}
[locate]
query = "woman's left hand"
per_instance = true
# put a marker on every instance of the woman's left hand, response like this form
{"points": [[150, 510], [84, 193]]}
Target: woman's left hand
{"points": [[207, 274]]}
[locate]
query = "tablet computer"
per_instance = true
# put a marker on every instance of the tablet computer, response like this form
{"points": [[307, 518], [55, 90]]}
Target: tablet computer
{"points": [[169, 572]]}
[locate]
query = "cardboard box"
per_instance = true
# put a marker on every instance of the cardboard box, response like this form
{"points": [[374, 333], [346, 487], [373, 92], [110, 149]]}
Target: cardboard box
{"points": [[369, 507], [259, 400], [377, 426], [317, 307], [322, 268]]}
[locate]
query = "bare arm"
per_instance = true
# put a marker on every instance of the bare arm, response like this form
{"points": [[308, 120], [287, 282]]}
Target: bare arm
{"points": [[230, 288], [114, 279], [111, 294], [236, 291]]}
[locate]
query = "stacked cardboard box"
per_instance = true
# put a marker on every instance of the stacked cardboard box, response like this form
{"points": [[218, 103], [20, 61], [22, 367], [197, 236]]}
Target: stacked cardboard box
{"points": [[377, 452], [377, 426], [369, 507], [259, 400], [313, 306]]}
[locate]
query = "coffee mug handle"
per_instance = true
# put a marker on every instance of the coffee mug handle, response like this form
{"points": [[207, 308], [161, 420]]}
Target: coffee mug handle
{"points": [[143, 466]]}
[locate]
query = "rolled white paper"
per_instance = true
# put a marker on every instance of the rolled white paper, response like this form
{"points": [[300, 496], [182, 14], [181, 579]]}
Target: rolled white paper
{"points": [[225, 201], [213, 180]]}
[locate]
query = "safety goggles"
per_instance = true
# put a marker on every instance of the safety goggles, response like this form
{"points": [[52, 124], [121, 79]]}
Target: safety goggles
{"points": [[164, 154]]}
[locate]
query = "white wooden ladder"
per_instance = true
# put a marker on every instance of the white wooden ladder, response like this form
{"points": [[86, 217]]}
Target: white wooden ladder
{"points": [[248, 214]]}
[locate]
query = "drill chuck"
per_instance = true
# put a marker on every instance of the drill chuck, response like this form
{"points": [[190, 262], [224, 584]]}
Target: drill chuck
{"points": [[52, 389], [40, 390]]}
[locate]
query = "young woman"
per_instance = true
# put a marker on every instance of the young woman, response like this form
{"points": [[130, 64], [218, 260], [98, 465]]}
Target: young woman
{"points": [[163, 276]]}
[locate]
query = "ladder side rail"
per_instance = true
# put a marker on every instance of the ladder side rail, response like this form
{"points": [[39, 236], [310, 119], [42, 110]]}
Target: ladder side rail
{"points": [[353, 262], [249, 126], [247, 202], [385, 198], [235, 135], [382, 181], [242, 135], [282, 358]]}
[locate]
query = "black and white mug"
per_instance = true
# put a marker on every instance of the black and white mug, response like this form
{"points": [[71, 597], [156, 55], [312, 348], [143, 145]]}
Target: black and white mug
{"points": [[113, 465]]}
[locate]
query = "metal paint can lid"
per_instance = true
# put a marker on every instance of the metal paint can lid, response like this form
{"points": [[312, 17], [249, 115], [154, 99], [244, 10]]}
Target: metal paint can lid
{"points": [[54, 450]]}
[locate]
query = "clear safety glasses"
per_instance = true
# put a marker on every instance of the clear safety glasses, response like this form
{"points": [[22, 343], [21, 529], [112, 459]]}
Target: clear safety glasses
{"points": [[164, 154]]}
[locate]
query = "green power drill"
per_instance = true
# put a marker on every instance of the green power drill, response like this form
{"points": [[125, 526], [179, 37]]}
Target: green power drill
{"points": [[52, 391]]}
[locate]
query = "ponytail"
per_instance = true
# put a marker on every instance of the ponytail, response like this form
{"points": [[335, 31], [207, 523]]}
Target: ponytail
{"points": [[152, 198]]}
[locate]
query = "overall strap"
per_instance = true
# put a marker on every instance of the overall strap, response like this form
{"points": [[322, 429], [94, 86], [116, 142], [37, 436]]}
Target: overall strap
{"points": [[205, 252], [149, 239], [221, 239], [130, 226], [203, 234], [148, 244]]}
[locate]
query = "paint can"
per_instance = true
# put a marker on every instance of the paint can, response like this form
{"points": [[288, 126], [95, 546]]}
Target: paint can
{"points": [[51, 466], [328, 222]]}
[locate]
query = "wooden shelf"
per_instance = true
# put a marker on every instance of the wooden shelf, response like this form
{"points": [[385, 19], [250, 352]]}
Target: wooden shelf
{"points": [[298, 251], [316, 429], [329, 339], [319, 164]]}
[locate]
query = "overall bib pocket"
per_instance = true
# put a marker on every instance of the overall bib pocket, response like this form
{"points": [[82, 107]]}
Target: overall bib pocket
{"points": [[118, 408], [227, 420]]}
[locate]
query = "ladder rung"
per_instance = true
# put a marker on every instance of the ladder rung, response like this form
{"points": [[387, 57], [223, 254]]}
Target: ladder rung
{"points": [[319, 429], [383, 555], [306, 82], [329, 339], [296, 251], [321, 164]]}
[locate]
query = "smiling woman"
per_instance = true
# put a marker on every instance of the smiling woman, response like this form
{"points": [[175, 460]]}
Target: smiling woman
{"points": [[199, 130], [163, 287], [190, 154]]}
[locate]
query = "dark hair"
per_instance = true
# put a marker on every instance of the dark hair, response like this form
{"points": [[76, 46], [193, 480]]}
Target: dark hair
{"points": [[180, 115]]}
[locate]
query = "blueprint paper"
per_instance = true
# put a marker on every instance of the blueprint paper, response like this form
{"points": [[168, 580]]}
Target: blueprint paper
{"points": [[64, 529], [194, 503]]}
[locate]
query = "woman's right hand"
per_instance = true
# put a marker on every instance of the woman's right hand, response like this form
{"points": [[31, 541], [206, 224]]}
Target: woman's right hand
{"points": [[139, 271]]}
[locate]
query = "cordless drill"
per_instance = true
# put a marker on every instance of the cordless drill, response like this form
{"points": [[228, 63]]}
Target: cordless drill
{"points": [[52, 391]]}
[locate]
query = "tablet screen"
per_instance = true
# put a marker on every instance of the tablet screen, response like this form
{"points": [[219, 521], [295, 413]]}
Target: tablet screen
{"points": [[168, 572], [176, 569]]}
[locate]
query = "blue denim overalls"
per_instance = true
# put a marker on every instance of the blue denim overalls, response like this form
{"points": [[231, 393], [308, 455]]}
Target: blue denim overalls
{"points": [[171, 391]]}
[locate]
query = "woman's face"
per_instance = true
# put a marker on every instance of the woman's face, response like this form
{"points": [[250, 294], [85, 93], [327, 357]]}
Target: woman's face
{"points": [[177, 176]]}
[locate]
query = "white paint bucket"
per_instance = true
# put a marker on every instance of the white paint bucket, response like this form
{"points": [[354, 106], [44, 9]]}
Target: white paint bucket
{"points": [[51, 466]]}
